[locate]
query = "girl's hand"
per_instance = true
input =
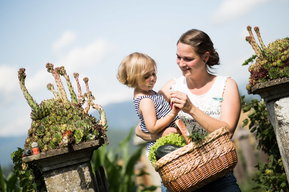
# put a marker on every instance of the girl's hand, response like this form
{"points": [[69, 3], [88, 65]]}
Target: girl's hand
{"points": [[174, 110]]}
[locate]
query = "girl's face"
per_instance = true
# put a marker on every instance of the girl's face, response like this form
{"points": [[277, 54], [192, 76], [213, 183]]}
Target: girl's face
{"points": [[188, 60], [148, 81]]}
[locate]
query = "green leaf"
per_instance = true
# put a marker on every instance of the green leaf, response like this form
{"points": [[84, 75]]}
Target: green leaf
{"points": [[2, 181], [12, 182], [250, 60], [133, 159], [245, 122]]}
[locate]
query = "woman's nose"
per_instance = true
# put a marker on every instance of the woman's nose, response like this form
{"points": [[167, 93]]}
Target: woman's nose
{"points": [[181, 62]]}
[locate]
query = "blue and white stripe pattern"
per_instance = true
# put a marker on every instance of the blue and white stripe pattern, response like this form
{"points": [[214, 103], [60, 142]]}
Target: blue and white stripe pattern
{"points": [[162, 108]]}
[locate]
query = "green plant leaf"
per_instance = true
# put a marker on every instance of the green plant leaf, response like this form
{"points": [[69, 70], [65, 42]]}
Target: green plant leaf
{"points": [[2, 181]]}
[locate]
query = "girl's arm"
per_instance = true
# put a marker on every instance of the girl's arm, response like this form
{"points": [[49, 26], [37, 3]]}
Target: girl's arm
{"points": [[147, 109], [230, 109], [150, 136]]}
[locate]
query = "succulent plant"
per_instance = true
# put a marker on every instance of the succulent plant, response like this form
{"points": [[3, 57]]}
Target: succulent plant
{"points": [[58, 122], [271, 62]]}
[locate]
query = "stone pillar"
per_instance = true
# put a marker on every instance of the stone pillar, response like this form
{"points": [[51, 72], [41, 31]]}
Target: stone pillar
{"points": [[72, 178], [67, 169], [279, 117], [276, 95]]}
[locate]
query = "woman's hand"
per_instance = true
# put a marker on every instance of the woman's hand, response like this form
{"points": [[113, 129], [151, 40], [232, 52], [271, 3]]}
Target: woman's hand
{"points": [[181, 101]]}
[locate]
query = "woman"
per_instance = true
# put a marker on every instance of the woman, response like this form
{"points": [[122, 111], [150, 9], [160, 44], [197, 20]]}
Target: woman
{"points": [[207, 101]]}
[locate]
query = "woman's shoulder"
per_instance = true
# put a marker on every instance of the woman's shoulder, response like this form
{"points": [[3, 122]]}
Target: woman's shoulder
{"points": [[226, 80], [226, 77], [231, 83], [228, 85]]}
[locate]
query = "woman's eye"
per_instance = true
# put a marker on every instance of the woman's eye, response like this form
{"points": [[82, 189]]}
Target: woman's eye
{"points": [[187, 59]]}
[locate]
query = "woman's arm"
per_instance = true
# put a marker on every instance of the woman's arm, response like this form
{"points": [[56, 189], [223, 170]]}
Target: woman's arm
{"points": [[230, 109], [231, 106]]}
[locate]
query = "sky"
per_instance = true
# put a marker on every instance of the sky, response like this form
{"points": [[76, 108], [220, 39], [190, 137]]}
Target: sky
{"points": [[91, 37]]}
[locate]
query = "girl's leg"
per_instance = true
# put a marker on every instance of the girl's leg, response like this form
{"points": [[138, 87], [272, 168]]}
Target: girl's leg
{"points": [[170, 130]]}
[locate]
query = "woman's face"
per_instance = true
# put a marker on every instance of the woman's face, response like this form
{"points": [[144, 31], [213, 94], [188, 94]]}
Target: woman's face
{"points": [[188, 60]]}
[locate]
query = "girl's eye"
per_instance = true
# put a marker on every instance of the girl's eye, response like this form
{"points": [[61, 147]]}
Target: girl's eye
{"points": [[146, 76]]}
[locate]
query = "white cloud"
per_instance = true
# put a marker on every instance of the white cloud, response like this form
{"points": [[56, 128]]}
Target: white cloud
{"points": [[8, 82], [38, 80], [230, 9], [18, 125], [82, 57], [67, 38]]}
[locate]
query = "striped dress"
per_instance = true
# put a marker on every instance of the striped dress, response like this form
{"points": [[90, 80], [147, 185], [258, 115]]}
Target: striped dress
{"points": [[162, 108]]}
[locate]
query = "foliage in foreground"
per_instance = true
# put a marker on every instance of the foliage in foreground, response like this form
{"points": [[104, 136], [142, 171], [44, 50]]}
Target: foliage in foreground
{"points": [[9, 183], [119, 166]]}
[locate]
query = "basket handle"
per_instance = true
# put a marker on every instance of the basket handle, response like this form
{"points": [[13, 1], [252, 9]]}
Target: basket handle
{"points": [[183, 129]]}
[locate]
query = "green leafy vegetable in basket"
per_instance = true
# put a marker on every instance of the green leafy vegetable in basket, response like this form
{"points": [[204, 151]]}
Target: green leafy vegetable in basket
{"points": [[197, 137], [174, 139]]}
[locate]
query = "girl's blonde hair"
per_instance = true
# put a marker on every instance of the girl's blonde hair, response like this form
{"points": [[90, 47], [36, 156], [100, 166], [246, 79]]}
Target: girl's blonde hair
{"points": [[133, 68]]}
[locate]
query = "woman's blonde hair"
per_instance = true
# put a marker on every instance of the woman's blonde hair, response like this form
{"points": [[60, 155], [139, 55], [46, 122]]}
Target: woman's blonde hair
{"points": [[133, 68]]}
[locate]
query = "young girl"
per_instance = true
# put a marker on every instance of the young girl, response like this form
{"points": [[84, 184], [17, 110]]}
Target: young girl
{"points": [[138, 71]]}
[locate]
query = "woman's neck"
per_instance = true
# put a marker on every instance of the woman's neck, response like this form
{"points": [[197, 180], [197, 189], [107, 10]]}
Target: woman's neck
{"points": [[200, 83]]}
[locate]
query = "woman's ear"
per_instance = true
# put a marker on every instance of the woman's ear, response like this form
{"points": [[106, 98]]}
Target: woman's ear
{"points": [[206, 56]]}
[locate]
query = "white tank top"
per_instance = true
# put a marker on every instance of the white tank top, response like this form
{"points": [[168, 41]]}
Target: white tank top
{"points": [[210, 102]]}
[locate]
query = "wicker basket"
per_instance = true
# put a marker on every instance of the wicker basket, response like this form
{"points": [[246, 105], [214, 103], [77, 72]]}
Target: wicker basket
{"points": [[194, 165]]}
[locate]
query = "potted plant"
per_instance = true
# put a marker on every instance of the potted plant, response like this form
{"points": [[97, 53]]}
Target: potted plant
{"points": [[63, 134], [269, 75]]}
